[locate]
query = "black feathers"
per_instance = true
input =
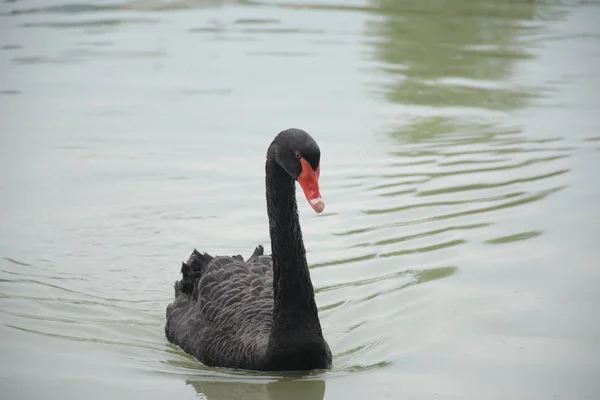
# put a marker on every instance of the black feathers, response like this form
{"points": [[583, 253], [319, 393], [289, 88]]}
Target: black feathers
{"points": [[258, 314], [223, 313], [192, 270]]}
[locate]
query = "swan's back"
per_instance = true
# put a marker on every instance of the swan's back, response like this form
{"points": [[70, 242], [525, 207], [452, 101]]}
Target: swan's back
{"points": [[223, 309]]}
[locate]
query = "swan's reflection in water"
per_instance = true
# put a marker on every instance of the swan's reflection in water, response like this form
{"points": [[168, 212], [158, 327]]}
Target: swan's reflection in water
{"points": [[274, 390]]}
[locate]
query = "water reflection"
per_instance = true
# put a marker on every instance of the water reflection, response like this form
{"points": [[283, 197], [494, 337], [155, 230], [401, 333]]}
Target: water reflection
{"points": [[279, 390], [457, 157], [452, 53]]}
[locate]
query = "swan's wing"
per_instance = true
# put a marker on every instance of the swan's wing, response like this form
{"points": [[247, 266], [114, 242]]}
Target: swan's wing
{"points": [[223, 309]]}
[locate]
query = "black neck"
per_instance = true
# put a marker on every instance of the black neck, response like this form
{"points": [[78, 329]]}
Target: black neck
{"points": [[294, 308]]}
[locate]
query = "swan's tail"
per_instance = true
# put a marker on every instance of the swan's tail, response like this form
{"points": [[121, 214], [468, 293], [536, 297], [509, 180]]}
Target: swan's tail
{"points": [[191, 271]]}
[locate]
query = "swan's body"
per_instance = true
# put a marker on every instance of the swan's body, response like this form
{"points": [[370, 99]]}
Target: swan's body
{"points": [[258, 314]]}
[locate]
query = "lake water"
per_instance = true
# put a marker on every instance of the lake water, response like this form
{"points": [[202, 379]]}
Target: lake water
{"points": [[459, 253]]}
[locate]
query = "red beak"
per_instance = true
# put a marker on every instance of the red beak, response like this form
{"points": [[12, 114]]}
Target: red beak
{"points": [[309, 181]]}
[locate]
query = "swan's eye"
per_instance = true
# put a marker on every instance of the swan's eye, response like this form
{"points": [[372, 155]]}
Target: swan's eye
{"points": [[298, 156]]}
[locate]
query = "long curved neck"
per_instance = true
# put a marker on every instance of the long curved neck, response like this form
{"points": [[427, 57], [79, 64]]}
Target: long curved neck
{"points": [[294, 307]]}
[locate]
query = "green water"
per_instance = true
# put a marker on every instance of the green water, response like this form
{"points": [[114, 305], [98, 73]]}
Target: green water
{"points": [[458, 255]]}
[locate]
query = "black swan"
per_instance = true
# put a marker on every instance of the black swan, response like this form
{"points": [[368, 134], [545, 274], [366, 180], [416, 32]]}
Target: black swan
{"points": [[258, 314]]}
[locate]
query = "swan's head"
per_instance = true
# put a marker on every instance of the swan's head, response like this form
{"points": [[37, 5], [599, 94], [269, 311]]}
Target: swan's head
{"points": [[299, 155]]}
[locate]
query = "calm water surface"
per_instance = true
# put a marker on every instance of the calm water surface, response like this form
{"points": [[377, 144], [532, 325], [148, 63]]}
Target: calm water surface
{"points": [[459, 251]]}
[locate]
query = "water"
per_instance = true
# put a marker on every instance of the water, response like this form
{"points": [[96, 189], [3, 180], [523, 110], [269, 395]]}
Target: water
{"points": [[458, 253]]}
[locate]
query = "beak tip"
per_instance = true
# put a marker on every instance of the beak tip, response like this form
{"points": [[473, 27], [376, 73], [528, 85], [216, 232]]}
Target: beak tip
{"points": [[317, 204]]}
